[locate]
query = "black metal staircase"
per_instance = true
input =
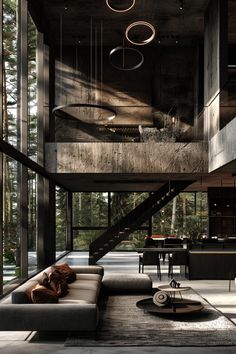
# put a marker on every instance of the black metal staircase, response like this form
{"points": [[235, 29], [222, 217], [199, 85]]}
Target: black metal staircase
{"points": [[134, 219]]}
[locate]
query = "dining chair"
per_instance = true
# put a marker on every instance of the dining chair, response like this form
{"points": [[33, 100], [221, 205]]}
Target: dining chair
{"points": [[178, 258], [172, 242], [150, 258]]}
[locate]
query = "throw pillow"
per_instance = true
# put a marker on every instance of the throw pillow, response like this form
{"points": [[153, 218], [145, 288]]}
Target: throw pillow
{"points": [[58, 283], [40, 295], [44, 280], [67, 271]]}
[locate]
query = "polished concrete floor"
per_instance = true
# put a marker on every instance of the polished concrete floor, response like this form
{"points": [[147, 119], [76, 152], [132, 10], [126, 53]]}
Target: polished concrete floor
{"points": [[216, 292]]}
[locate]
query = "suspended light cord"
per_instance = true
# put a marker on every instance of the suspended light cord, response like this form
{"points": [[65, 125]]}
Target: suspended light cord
{"points": [[91, 52], [61, 57], [123, 54], [101, 63], [76, 65], [95, 61]]}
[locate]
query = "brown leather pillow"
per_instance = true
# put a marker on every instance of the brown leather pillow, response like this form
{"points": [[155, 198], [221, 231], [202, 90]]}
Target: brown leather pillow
{"points": [[58, 283], [41, 295], [67, 271]]}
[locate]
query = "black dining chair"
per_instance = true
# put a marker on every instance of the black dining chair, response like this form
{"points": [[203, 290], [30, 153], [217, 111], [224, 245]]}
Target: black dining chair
{"points": [[178, 258], [150, 258], [172, 242]]}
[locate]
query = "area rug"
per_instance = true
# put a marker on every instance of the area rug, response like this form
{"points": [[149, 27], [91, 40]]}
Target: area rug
{"points": [[122, 323]]}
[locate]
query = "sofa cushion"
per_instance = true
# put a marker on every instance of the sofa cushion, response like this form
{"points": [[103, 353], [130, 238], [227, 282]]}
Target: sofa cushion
{"points": [[83, 276], [57, 283], [66, 270], [85, 284], [41, 294], [87, 295], [88, 269], [127, 283]]}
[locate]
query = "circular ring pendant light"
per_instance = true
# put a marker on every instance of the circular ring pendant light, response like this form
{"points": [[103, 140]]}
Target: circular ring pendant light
{"points": [[143, 24], [111, 7], [72, 110], [124, 66]]}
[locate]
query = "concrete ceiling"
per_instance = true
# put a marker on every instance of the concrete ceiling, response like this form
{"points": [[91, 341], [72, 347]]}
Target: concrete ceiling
{"points": [[170, 22]]}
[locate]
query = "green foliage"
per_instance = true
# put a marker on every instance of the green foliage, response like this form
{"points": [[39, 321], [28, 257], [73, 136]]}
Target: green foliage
{"points": [[61, 219], [90, 209], [9, 257], [194, 227]]}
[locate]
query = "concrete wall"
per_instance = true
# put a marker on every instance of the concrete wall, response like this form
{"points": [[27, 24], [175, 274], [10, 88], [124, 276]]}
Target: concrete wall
{"points": [[215, 63], [222, 147], [126, 158]]}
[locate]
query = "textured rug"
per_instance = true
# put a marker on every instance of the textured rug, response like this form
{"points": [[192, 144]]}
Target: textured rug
{"points": [[124, 324]]}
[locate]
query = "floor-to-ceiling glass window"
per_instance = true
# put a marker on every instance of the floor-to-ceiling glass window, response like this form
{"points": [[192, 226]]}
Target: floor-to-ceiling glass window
{"points": [[32, 90], [9, 70], [185, 216], [122, 204], [22, 211], [32, 221], [94, 212], [90, 218], [61, 220], [11, 239]]}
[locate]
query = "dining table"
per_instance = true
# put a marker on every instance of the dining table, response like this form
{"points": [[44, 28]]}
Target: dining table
{"points": [[160, 249]]}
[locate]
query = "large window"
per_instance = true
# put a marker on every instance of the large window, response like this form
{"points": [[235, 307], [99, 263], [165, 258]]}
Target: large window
{"points": [[90, 218], [185, 216], [11, 239], [61, 220], [123, 203], [32, 220], [90, 209], [83, 238], [94, 212], [10, 72], [26, 223], [32, 91]]}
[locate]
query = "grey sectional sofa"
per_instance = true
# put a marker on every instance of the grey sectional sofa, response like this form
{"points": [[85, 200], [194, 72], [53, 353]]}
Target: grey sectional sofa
{"points": [[78, 310]]}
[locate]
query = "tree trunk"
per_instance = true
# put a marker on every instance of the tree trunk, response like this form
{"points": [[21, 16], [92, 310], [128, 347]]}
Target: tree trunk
{"points": [[173, 217]]}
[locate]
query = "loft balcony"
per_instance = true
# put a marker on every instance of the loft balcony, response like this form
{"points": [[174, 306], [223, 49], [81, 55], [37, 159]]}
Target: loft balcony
{"points": [[127, 158]]}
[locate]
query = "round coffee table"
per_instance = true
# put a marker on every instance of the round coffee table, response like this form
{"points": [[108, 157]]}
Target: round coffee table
{"points": [[177, 307]]}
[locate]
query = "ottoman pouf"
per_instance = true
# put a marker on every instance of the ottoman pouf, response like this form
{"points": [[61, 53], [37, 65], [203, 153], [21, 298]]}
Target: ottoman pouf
{"points": [[126, 283]]}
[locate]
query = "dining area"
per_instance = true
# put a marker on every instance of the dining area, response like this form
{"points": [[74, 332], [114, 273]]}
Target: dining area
{"points": [[157, 250], [192, 264]]}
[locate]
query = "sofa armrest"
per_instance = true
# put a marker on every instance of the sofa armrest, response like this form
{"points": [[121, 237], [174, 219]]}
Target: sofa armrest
{"points": [[48, 317], [88, 269]]}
